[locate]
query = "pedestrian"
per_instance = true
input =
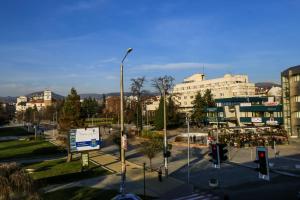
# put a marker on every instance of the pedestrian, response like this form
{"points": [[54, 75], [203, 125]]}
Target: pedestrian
{"points": [[159, 174], [194, 138]]}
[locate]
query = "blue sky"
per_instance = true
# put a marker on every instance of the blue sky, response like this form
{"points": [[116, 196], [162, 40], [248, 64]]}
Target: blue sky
{"points": [[59, 44]]}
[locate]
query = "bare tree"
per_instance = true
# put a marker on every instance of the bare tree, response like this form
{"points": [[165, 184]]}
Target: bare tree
{"points": [[136, 88], [163, 83]]}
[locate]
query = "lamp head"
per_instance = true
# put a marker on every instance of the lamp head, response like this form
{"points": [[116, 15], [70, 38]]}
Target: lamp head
{"points": [[129, 50]]}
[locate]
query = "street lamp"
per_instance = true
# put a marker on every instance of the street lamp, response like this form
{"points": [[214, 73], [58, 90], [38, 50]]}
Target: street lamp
{"points": [[165, 131], [123, 134], [188, 153]]}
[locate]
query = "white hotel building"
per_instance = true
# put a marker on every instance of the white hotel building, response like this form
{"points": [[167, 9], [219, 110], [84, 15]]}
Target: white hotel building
{"points": [[225, 87]]}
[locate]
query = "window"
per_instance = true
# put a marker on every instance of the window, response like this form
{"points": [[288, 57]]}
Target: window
{"points": [[297, 98], [296, 78], [185, 97], [297, 115], [191, 97]]}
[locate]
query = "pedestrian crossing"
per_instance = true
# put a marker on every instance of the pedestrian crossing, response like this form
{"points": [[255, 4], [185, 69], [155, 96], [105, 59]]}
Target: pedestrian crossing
{"points": [[199, 196]]}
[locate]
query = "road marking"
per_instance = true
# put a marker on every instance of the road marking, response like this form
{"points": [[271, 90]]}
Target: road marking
{"points": [[195, 196]]}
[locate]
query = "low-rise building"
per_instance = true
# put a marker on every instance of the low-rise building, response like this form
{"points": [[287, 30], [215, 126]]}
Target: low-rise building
{"points": [[39, 100], [246, 111]]}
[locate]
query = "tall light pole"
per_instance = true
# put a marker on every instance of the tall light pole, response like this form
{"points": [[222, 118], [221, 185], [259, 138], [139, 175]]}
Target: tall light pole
{"points": [[123, 134], [165, 131], [188, 153]]}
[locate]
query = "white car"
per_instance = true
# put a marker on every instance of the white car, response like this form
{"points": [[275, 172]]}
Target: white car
{"points": [[126, 197]]}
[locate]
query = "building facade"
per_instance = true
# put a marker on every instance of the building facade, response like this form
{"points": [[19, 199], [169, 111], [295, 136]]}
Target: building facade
{"points": [[40, 101], [21, 103], [224, 87], [246, 111], [290, 81]]}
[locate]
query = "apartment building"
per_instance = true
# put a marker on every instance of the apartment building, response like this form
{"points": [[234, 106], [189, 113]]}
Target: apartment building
{"points": [[224, 87], [290, 81]]}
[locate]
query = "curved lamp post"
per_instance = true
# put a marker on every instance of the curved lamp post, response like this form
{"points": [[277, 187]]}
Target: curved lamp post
{"points": [[123, 135]]}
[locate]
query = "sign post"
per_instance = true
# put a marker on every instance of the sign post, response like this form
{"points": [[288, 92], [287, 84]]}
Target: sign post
{"points": [[85, 160]]}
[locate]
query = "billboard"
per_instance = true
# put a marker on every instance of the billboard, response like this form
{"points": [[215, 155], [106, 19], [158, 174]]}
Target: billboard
{"points": [[256, 119], [84, 139]]}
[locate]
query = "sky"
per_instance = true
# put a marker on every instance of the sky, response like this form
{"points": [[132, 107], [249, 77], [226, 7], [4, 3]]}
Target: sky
{"points": [[59, 44]]}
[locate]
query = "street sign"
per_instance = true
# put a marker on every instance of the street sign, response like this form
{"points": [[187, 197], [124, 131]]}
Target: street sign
{"points": [[85, 159], [84, 139], [263, 163], [124, 142]]}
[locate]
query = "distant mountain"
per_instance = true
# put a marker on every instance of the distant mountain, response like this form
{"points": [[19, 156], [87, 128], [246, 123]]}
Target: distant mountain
{"points": [[40, 93], [8, 99], [266, 85], [100, 96]]}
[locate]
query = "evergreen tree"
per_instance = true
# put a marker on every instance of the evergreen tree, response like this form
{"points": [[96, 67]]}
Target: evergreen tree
{"points": [[173, 115], [208, 98], [89, 108], [199, 106], [198, 114], [159, 115], [70, 117]]}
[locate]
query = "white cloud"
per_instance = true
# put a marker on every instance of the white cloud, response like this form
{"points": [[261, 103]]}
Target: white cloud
{"points": [[179, 66]]}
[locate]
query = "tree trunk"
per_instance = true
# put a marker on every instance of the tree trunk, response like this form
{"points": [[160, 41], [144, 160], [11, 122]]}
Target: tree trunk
{"points": [[150, 161], [69, 158]]}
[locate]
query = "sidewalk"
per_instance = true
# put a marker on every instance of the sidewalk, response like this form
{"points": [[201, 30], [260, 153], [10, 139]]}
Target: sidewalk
{"points": [[287, 161], [135, 181], [167, 189]]}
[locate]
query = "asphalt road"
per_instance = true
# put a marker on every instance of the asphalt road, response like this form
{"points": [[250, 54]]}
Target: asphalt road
{"points": [[238, 182]]}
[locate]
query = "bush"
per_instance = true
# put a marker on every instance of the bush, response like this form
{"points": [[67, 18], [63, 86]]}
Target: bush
{"points": [[49, 150], [178, 139], [151, 134]]}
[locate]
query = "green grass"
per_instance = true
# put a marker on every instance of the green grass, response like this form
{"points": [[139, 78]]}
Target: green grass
{"points": [[14, 131], [27, 149], [81, 193], [59, 171]]}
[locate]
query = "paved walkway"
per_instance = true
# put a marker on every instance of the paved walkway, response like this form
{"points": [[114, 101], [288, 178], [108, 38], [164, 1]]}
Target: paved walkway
{"points": [[134, 179], [134, 174]]}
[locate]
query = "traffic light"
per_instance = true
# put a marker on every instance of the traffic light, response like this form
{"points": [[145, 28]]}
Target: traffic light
{"points": [[167, 154], [214, 154], [223, 152], [262, 162]]}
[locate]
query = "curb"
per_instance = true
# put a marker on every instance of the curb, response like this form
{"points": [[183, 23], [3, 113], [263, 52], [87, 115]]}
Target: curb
{"points": [[271, 170]]}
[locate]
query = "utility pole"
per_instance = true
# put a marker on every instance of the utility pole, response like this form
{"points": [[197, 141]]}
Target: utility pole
{"points": [[123, 134], [188, 153], [144, 180], [165, 130]]}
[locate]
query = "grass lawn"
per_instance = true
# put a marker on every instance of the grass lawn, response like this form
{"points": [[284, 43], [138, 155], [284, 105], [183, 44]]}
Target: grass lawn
{"points": [[27, 149], [81, 193], [59, 171], [14, 131], [84, 193]]}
